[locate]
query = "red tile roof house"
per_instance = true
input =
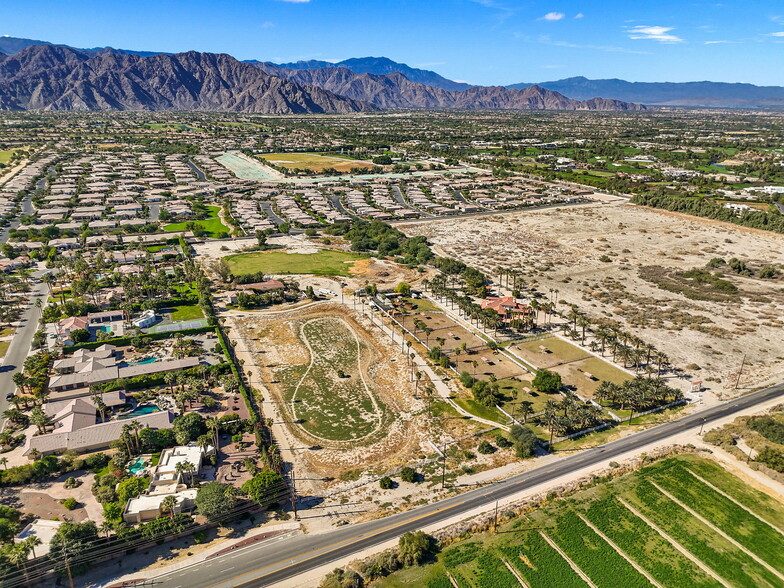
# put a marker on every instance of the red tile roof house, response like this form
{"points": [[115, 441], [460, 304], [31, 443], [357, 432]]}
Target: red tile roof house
{"points": [[506, 306]]}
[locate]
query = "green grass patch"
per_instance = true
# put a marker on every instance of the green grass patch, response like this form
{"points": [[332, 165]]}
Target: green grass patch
{"points": [[324, 263], [558, 350], [5, 156], [212, 224], [4, 345], [421, 305], [186, 312]]}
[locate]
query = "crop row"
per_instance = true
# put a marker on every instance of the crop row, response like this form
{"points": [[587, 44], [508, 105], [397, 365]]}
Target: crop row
{"points": [[714, 551], [547, 568], [759, 503], [749, 531], [645, 546], [593, 555], [492, 573]]}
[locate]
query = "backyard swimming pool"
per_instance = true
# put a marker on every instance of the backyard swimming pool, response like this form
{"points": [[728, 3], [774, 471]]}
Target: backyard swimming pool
{"points": [[140, 410], [136, 466], [144, 361]]}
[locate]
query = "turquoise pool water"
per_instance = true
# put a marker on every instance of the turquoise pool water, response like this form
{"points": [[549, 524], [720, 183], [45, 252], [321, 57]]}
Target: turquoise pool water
{"points": [[141, 410], [136, 466], [143, 361], [105, 328]]}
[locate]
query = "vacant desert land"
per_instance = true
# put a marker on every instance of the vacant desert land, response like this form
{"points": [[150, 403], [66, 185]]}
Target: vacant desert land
{"points": [[615, 260], [338, 387], [313, 161]]}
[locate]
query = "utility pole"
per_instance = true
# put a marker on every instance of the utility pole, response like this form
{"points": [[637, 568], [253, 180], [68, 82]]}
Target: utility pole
{"points": [[495, 518], [740, 371], [701, 426], [294, 494], [443, 467]]}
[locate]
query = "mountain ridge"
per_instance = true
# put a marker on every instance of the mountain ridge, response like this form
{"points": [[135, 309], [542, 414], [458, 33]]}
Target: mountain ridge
{"points": [[49, 77], [382, 66], [395, 90], [701, 93]]}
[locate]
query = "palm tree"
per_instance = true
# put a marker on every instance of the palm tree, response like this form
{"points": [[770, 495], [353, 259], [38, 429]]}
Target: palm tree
{"points": [[213, 425], [526, 407], [106, 527], [4, 461], [32, 542], [39, 419], [168, 504]]}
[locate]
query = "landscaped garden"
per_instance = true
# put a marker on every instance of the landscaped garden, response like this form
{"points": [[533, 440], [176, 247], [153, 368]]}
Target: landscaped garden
{"points": [[212, 224]]}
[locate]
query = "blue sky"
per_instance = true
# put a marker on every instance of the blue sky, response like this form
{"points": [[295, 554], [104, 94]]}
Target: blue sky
{"points": [[479, 41]]}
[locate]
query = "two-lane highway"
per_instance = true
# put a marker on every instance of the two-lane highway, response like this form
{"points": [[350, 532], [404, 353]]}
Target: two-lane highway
{"points": [[263, 565]]}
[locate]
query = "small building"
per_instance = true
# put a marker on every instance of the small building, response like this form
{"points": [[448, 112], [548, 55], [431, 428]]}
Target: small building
{"points": [[145, 319]]}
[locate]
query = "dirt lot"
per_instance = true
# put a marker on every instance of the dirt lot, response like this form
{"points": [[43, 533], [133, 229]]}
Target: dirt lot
{"points": [[274, 341], [594, 255]]}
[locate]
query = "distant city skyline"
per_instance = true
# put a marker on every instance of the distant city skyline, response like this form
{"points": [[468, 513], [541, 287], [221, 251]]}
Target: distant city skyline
{"points": [[487, 42]]}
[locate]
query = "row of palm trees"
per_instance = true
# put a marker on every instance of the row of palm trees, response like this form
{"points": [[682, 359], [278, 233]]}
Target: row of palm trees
{"points": [[569, 415], [638, 393]]}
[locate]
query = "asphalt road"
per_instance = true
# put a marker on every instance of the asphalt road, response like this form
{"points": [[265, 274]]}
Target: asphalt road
{"points": [[20, 344], [27, 208], [263, 565]]}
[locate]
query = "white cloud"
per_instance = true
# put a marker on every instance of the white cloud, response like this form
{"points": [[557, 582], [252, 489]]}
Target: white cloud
{"points": [[779, 34], [579, 15], [720, 42], [295, 1], [267, 25], [553, 16], [661, 34]]}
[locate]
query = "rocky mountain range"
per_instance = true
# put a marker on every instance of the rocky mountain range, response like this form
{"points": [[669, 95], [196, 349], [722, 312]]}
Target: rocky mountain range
{"points": [[706, 94], [48, 77], [382, 66], [53, 77], [394, 90]]}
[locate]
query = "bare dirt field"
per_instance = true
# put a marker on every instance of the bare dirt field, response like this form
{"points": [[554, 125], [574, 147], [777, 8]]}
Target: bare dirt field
{"points": [[636, 266], [389, 422]]}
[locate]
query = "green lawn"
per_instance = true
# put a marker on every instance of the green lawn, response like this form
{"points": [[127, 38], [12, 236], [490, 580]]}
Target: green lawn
{"points": [[5, 156], [6, 331], [4, 345], [422, 305], [186, 312], [212, 224], [589, 526], [324, 263]]}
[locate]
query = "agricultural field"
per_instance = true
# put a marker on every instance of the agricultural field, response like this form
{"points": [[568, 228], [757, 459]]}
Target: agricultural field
{"points": [[324, 263], [683, 521], [313, 161], [599, 258], [212, 224]]}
